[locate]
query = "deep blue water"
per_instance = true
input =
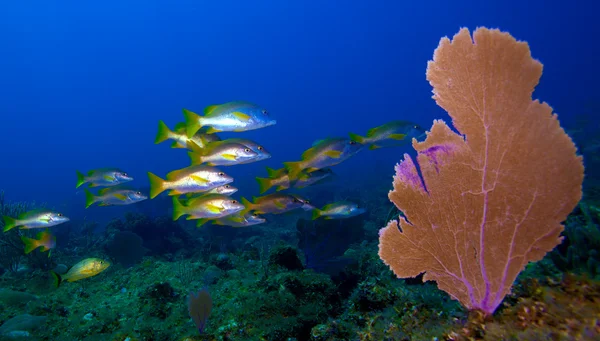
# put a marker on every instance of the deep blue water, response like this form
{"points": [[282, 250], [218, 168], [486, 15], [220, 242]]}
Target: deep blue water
{"points": [[83, 84]]}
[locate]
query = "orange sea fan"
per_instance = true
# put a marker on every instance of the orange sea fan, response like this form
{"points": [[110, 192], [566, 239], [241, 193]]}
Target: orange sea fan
{"points": [[491, 199]]}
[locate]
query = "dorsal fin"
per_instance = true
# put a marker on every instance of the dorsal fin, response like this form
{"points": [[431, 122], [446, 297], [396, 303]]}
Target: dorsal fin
{"points": [[210, 108]]}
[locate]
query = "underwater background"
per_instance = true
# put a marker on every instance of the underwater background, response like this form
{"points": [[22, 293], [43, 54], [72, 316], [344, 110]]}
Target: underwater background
{"points": [[85, 84]]}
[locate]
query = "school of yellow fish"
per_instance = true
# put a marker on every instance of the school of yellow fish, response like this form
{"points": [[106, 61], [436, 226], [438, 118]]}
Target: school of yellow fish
{"points": [[202, 191]]}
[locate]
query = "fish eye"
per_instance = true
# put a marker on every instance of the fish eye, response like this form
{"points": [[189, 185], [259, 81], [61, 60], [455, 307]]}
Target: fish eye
{"points": [[124, 174], [138, 193], [260, 148], [352, 142], [227, 186], [416, 126], [306, 202], [221, 173], [247, 150], [264, 111], [234, 201], [60, 214]]}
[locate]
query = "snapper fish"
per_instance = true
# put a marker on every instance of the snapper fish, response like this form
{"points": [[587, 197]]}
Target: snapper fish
{"points": [[180, 138], [209, 206], [324, 153], [281, 179], [35, 219], [103, 177], [275, 203], [86, 268], [338, 210], [232, 116], [221, 153], [235, 220], [389, 134], [113, 197], [193, 179], [225, 190]]}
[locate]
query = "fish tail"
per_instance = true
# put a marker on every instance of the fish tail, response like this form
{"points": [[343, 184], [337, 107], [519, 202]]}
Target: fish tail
{"points": [[247, 205], [192, 122], [90, 199], [164, 133], [316, 213], [195, 158], [178, 209], [263, 184], [9, 223], [157, 185], [293, 168], [30, 244], [57, 280], [80, 179], [357, 138], [201, 222]]}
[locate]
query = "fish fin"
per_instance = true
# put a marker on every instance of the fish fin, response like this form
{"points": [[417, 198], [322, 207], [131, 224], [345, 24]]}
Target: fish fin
{"points": [[397, 136], [177, 144], [178, 209], [356, 138], [30, 244], [374, 146], [157, 185], [247, 205], [104, 190], [198, 179], [192, 122], [57, 280], [195, 158], [293, 168], [316, 213], [179, 127], [371, 132], [334, 154], [92, 185], [108, 178], [328, 218], [212, 130], [213, 208], [273, 173], [164, 133], [9, 223], [210, 108], [120, 196], [194, 147], [229, 157], [90, 199], [201, 221], [279, 204], [263, 184], [241, 115], [281, 188], [104, 204], [80, 179]]}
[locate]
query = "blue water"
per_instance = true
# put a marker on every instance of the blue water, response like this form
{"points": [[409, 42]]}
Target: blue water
{"points": [[83, 84]]}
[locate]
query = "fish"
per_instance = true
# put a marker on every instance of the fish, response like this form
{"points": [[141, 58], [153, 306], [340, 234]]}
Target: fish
{"points": [[235, 220], [113, 197], [263, 154], [234, 116], [103, 177], [225, 190], [275, 203], [35, 219], [324, 153], [221, 153], [391, 132], [281, 179], [193, 179], [179, 136], [338, 210], [208, 206], [199, 308], [307, 179], [45, 240], [88, 267]]}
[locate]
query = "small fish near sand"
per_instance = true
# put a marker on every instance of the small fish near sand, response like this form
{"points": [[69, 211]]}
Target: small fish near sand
{"points": [[45, 240], [103, 177], [234, 116], [35, 219], [86, 268]]}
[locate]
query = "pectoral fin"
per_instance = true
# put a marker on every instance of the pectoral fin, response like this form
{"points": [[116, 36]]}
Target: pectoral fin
{"points": [[334, 154], [198, 179], [241, 116], [397, 136], [120, 196]]}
